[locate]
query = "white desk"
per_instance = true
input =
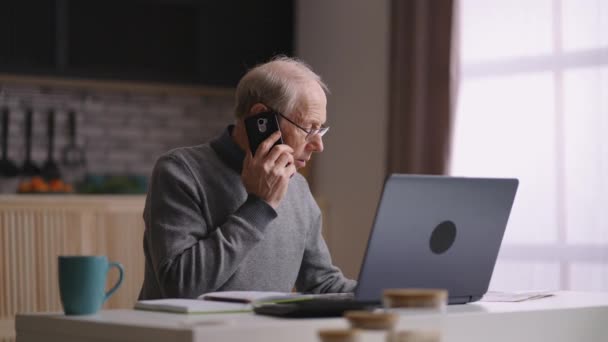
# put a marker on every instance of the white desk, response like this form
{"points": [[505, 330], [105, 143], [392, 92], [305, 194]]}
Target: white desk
{"points": [[568, 316]]}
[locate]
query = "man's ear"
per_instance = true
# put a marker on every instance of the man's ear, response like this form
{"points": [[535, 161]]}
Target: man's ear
{"points": [[257, 108]]}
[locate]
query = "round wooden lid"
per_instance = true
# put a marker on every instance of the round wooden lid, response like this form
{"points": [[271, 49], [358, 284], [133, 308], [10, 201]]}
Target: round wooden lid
{"points": [[338, 335], [371, 320], [415, 336], [415, 298]]}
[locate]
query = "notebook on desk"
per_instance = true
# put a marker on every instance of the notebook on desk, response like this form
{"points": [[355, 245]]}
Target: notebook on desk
{"points": [[228, 301], [192, 306], [429, 232]]}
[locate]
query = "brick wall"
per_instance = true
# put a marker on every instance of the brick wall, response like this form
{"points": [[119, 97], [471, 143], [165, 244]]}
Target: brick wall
{"points": [[121, 132]]}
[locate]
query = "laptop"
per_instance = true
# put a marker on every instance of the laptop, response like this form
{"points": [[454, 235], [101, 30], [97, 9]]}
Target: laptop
{"points": [[429, 232]]}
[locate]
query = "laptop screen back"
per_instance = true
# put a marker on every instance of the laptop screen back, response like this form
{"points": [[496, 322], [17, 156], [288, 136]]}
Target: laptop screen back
{"points": [[436, 232]]}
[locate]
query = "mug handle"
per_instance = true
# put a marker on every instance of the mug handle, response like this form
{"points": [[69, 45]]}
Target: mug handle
{"points": [[117, 285]]}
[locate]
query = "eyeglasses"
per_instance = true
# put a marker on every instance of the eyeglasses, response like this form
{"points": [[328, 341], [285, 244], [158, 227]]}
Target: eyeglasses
{"points": [[310, 133]]}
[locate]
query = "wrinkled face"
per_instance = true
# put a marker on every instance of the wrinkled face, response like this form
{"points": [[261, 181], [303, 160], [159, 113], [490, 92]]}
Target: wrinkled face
{"points": [[311, 114]]}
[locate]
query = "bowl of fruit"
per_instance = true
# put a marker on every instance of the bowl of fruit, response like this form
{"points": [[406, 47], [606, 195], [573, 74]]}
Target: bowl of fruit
{"points": [[38, 185]]}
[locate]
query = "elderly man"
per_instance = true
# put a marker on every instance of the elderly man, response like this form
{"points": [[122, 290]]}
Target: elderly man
{"points": [[218, 218]]}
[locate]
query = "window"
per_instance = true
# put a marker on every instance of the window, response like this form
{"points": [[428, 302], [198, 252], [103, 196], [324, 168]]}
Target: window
{"points": [[533, 104]]}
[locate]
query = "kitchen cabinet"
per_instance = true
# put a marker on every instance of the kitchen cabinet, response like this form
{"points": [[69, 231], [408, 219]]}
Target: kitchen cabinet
{"points": [[202, 42], [27, 36], [35, 229]]}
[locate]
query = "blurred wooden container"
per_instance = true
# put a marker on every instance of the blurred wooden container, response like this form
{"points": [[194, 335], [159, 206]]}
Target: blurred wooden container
{"points": [[35, 229]]}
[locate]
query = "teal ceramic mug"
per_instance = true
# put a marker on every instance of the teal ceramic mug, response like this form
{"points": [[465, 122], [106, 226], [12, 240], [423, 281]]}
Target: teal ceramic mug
{"points": [[82, 281]]}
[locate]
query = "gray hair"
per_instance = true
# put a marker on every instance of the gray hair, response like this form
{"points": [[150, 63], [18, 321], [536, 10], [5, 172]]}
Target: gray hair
{"points": [[276, 84]]}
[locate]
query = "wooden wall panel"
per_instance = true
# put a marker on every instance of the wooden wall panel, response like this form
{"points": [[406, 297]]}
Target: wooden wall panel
{"points": [[35, 230]]}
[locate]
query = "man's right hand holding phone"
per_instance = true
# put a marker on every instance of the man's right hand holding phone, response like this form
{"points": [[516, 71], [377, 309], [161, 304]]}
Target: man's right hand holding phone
{"points": [[267, 174]]}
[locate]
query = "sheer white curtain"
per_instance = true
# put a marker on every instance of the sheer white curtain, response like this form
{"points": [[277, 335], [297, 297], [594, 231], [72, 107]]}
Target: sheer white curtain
{"points": [[533, 104]]}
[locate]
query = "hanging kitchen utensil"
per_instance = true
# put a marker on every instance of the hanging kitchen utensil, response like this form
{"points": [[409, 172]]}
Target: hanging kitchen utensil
{"points": [[8, 168], [29, 168], [50, 170], [72, 154]]}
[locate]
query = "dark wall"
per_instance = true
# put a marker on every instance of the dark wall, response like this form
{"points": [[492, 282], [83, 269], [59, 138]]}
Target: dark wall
{"points": [[199, 42]]}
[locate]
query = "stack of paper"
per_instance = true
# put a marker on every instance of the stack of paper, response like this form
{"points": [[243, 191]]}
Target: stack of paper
{"points": [[496, 296]]}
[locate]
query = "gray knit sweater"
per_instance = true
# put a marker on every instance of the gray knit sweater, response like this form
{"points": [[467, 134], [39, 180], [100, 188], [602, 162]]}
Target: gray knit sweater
{"points": [[205, 233]]}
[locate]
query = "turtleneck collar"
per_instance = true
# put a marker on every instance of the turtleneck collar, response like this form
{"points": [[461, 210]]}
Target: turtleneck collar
{"points": [[228, 150]]}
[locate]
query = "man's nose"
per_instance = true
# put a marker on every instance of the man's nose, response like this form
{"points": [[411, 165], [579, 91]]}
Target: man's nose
{"points": [[316, 143]]}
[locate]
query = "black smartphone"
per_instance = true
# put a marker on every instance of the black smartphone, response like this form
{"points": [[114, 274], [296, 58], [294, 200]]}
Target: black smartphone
{"points": [[259, 127]]}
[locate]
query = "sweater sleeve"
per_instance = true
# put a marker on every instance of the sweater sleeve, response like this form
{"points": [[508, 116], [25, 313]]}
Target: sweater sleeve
{"points": [[317, 273], [189, 257]]}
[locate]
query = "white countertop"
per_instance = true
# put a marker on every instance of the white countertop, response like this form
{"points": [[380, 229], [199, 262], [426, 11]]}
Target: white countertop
{"points": [[567, 316]]}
